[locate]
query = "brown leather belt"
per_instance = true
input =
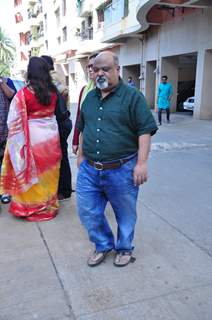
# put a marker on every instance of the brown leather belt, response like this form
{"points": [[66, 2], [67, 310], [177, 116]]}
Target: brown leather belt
{"points": [[108, 165]]}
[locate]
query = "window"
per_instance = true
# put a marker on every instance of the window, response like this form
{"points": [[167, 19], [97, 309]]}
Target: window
{"points": [[64, 34], [18, 17], [191, 100], [27, 38], [17, 2], [100, 17], [63, 7], [47, 45], [87, 28], [115, 11], [57, 16], [45, 21]]}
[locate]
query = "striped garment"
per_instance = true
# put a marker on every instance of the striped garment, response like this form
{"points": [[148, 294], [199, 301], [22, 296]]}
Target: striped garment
{"points": [[30, 169]]}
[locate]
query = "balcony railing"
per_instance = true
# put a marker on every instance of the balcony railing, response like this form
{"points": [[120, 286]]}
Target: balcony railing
{"points": [[85, 34], [116, 11], [84, 7]]}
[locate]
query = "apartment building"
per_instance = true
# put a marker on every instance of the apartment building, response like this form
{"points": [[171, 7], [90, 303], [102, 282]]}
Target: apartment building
{"points": [[159, 37], [89, 33], [151, 38], [72, 30], [29, 28]]}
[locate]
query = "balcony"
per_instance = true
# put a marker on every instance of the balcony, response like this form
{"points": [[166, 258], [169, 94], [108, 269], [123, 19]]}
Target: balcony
{"points": [[25, 48], [34, 14], [18, 7], [84, 7], [22, 27], [85, 34], [158, 11], [120, 20]]}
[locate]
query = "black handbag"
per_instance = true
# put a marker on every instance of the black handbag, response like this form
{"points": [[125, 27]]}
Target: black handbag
{"points": [[63, 117]]}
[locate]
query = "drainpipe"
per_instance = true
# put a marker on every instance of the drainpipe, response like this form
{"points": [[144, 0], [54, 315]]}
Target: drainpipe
{"points": [[142, 67], [157, 70]]}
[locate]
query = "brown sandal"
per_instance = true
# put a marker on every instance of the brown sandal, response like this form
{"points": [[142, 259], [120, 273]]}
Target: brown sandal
{"points": [[122, 259], [96, 258]]}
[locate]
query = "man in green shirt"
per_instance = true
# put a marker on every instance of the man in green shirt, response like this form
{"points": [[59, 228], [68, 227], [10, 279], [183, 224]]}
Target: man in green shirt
{"points": [[116, 126]]}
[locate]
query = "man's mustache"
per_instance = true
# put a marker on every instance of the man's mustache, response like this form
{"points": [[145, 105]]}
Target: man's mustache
{"points": [[101, 79]]}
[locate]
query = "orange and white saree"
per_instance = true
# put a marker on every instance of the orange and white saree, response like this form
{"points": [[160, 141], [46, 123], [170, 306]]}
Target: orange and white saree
{"points": [[30, 169]]}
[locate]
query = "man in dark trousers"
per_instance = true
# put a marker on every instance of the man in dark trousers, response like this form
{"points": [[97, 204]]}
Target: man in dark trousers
{"points": [[7, 92], [64, 125]]}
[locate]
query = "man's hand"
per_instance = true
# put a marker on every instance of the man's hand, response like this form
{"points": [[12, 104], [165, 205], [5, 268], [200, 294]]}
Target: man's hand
{"points": [[75, 148], [140, 173], [79, 160]]}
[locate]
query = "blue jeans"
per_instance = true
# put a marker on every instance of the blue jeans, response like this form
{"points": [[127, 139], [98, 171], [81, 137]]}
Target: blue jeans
{"points": [[94, 189]]}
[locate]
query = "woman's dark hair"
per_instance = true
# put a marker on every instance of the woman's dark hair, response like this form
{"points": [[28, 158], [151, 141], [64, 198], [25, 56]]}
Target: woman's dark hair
{"points": [[93, 55], [49, 60], [40, 80], [164, 77]]}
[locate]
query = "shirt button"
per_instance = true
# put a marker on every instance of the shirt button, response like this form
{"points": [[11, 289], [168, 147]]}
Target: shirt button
{"points": [[98, 152], [98, 129], [99, 119], [100, 108], [97, 141]]}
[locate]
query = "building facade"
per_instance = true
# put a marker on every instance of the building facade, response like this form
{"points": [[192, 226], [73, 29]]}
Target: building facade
{"points": [[166, 37], [29, 28], [151, 37]]}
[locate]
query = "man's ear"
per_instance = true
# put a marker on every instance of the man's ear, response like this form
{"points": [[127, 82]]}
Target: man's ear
{"points": [[118, 68]]}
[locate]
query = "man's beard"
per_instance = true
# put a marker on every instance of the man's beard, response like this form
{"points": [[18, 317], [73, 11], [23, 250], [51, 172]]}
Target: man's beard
{"points": [[102, 83]]}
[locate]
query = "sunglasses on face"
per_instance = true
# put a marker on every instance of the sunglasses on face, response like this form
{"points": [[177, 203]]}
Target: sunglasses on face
{"points": [[89, 66], [104, 69]]}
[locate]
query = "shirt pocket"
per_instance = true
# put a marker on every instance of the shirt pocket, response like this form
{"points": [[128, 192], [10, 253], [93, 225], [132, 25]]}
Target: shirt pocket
{"points": [[118, 117]]}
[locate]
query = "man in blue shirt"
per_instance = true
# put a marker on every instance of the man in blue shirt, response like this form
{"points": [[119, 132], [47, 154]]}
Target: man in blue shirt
{"points": [[130, 82], [165, 92], [7, 91]]}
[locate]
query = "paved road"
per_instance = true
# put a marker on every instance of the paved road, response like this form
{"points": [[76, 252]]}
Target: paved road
{"points": [[43, 272]]}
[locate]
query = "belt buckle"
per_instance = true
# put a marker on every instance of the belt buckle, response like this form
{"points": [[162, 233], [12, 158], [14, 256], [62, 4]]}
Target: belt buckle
{"points": [[98, 166]]}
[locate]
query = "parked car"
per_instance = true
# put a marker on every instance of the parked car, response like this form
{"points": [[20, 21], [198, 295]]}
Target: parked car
{"points": [[185, 90], [189, 104]]}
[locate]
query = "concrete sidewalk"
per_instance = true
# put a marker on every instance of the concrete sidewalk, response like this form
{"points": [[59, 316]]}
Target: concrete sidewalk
{"points": [[43, 271]]}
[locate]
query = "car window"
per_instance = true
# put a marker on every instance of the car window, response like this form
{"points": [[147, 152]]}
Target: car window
{"points": [[191, 100]]}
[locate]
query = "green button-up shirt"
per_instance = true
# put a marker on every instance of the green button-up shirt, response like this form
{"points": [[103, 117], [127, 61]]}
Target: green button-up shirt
{"points": [[111, 125]]}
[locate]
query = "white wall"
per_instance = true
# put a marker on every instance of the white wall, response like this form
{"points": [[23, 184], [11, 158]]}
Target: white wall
{"points": [[187, 34], [130, 53]]}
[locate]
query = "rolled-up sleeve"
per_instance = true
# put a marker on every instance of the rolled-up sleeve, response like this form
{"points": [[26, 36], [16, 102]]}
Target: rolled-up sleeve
{"points": [[142, 116], [80, 122]]}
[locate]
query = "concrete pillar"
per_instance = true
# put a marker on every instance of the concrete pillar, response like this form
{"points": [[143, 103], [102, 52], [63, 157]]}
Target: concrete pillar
{"points": [[73, 94], [150, 82], [81, 73], [203, 91], [77, 78], [121, 71], [169, 67]]}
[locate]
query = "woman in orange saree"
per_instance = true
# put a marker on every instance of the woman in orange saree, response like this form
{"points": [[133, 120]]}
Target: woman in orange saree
{"points": [[30, 169]]}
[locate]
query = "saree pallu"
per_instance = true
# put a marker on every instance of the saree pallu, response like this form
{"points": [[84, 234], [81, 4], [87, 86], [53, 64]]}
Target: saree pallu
{"points": [[30, 169]]}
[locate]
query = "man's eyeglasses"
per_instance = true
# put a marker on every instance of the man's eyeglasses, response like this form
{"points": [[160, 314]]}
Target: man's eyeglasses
{"points": [[89, 66]]}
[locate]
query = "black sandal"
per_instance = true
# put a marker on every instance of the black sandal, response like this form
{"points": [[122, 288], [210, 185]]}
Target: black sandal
{"points": [[5, 198]]}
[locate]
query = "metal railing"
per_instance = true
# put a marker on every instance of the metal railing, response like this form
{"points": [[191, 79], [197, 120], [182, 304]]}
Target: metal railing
{"points": [[115, 11]]}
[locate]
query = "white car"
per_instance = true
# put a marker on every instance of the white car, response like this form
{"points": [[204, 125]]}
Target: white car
{"points": [[189, 104]]}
